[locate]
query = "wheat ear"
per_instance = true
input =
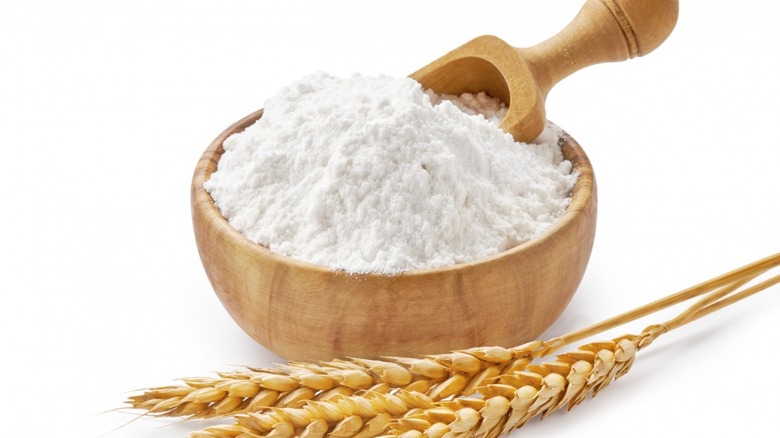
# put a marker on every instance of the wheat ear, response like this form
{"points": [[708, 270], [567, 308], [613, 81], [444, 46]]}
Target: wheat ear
{"points": [[437, 376], [533, 390], [505, 401], [292, 385]]}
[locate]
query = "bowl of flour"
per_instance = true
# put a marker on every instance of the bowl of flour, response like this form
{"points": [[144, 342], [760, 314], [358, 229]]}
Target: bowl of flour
{"points": [[365, 216]]}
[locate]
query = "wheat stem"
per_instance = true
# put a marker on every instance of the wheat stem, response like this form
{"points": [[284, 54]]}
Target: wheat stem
{"points": [[745, 273]]}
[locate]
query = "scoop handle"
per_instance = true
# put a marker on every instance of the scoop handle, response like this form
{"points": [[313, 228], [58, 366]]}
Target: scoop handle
{"points": [[603, 31]]}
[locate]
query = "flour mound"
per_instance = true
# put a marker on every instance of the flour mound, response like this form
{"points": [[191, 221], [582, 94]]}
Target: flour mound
{"points": [[374, 174]]}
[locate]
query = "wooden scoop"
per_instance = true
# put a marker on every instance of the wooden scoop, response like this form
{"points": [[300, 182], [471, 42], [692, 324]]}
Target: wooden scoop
{"points": [[603, 31]]}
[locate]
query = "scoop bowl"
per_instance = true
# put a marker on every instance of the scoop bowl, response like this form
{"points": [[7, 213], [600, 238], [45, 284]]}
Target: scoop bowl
{"points": [[603, 31]]}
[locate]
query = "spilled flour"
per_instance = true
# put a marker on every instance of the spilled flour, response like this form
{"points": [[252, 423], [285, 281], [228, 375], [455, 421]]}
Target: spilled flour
{"points": [[374, 174]]}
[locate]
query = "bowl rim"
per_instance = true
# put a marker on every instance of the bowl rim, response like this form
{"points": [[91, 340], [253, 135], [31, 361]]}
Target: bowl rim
{"points": [[583, 193]]}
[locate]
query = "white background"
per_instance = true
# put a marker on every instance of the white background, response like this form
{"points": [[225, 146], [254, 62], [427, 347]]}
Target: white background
{"points": [[106, 106]]}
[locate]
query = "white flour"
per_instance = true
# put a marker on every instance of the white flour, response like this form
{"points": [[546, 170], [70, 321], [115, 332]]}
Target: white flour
{"points": [[366, 174]]}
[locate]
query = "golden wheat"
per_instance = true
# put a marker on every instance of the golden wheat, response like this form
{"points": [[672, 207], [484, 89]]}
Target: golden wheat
{"points": [[480, 392], [507, 402], [292, 385]]}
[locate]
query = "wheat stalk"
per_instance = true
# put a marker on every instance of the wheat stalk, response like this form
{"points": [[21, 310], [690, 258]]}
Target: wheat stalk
{"points": [[509, 401], [437, 376], [484, 392], [505, 401], [545, 388]]}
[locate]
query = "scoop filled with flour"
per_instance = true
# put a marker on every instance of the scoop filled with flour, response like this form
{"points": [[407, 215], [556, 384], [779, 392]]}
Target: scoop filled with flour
{"points": [[374, 174]]}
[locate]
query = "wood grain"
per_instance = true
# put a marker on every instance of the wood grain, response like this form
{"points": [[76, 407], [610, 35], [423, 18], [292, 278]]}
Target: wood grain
{"points": [[305, 311], [603, 31]]}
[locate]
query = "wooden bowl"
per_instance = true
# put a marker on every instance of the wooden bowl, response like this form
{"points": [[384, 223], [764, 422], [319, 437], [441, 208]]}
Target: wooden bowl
{"points": [[303, 311]]}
